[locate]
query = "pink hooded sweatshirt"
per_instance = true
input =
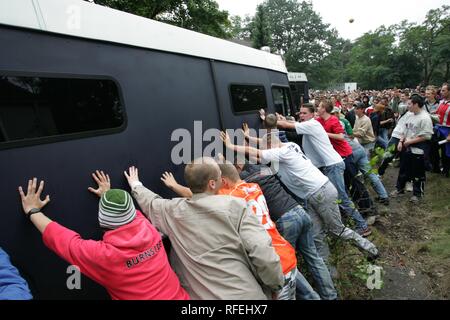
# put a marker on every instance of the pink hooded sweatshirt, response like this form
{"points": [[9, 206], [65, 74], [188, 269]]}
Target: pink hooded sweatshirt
{"points": [[130, 262]]}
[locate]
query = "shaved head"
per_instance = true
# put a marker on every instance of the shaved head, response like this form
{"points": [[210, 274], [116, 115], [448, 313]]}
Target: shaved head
{"points": [[229, 171], [200, 172]]}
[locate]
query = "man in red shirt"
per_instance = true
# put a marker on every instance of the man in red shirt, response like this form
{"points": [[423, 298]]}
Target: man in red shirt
{"points": [[443, 112], [335, 132], [130, 261]]}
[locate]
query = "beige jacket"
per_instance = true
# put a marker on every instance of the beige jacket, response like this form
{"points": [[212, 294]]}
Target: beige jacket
{"points": [[363, 130], [219, 248]]}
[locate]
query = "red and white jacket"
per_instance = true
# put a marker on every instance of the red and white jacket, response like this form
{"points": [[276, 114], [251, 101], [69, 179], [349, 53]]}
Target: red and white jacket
{"points": [[444, 113]]}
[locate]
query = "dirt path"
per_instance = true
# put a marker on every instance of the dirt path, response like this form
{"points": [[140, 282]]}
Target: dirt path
{"points": [[414, 243], [406, 228]]}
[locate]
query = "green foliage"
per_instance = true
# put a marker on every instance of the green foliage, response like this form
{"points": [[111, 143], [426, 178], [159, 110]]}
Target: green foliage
{"points": [[401, 55], [198, 15], [299, 33], [260, 32]]}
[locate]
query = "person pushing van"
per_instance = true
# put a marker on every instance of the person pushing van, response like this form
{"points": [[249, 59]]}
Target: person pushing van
{"points": [[130, 261], [220, 250]]}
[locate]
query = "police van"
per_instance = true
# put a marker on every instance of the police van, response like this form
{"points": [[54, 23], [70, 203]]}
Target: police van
{"points": [[86, 87]]}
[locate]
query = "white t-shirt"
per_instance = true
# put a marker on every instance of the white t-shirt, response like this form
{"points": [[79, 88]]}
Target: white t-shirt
{"points": [[295, 170], [400, 127], [413, 125], [316, 144]]}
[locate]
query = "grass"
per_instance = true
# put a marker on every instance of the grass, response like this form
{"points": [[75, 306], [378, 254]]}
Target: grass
{"points": [[413, 237]]}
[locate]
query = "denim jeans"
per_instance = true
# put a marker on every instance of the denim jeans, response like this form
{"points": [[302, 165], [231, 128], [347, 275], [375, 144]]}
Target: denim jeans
{"points": [[363, 165], [369, 147], [335, 174], [383, 139], [289, 288], [326, 218], [296, 227]]}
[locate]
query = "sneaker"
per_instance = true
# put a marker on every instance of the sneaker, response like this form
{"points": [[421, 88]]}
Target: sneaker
{"points": [[365, 232], [396, 193], [409, 187], [414, 199]]}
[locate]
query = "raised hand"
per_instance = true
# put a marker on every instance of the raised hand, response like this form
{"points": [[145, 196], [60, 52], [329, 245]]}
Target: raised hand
{"points": [[132, 176], [246, 129], [262, 114], [226, 139], [32, 199], [169, 180], [103, 182]]}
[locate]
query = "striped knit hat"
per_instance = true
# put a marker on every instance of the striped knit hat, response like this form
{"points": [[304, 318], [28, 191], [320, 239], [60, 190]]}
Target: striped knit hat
{"points": [[116, 209]]}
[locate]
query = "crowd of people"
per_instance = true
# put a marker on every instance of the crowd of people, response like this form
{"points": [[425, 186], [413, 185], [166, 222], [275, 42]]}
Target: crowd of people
{"points": [[237, 229]]}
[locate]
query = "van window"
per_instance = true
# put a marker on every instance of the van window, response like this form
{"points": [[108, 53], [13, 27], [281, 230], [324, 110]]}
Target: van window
{"points": [[39, 107], [282, 100], [247, 98]]}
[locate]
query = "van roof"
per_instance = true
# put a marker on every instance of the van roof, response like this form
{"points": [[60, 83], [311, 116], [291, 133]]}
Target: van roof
{"points": [[91, 21]]}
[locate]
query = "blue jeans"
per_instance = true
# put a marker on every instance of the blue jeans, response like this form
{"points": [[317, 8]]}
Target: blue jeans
{"points": [[336, 175], [369, 147], [363, 165], [383, 139], [296, 227]]}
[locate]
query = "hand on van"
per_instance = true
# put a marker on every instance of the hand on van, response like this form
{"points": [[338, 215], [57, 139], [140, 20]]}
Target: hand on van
{"points": [[103, 182], [262, 114], [226, 139], [133, 177], [246, 130], [32, 204], [32, 199], [170, 182]]}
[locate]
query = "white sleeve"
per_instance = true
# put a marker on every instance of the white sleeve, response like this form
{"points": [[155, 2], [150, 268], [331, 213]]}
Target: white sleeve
{"points": [[271, 155], [425, 128], [306, 127]]}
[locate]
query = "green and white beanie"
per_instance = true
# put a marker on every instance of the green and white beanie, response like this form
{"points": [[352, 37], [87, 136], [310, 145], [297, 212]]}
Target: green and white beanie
{"points": [[116, 209]]}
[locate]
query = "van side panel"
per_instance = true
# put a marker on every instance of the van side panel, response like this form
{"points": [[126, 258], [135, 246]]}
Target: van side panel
{"points": [[161, 92]]}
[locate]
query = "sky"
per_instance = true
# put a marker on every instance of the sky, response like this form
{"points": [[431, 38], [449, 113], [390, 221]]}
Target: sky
{"points": [[368, 15]]}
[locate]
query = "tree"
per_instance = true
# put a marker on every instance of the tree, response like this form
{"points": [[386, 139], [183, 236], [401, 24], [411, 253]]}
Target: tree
{"points": [[241, 27], [375, 61], [299, 33], [198, 15], [145, 8], [260, 32], [429, 42]]}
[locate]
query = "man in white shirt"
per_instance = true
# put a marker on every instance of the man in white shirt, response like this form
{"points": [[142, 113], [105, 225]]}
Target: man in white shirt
{"points": [[318, 148], [308, 183], [415, 129]]}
